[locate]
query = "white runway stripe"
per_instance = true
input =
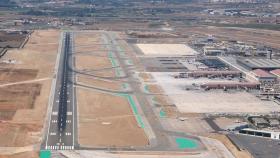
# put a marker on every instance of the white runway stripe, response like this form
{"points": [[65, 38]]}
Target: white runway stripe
{"points": [[54, 121], [54, 113], [68, 134], [52, 133], [62, 147]]}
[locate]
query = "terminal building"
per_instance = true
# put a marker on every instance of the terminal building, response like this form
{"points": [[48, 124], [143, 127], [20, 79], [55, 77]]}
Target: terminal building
{"points": [[260, 133], [212, 51], [276, 73], [263, 76], [264, 64]]}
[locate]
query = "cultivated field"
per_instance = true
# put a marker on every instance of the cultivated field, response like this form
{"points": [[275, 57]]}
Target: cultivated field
{"points": [[25, 88]]}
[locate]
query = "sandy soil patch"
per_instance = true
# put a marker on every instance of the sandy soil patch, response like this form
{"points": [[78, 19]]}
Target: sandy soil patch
{"points": [[111, 119], [91, 48], [35, 61], [30, 154], [11, 40], [166, 49], [16, 135], [88, 38], [166, 105], [17, 97], [100, 83], [90, 62], [145, 76], [153, 88], [44, 37], [39, 53], [14, 75]]}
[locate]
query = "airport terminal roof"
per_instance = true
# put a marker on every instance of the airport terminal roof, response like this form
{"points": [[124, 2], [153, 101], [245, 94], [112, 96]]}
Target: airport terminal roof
{"points": [[276, 72], [261, 63], [262, 73]]}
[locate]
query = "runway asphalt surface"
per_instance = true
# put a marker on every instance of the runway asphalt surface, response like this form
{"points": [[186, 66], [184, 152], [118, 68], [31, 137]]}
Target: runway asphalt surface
{"points": [[61, 130]]}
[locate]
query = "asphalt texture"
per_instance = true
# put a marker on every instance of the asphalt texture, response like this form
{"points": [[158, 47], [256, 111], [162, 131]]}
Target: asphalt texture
{"points": [[61, 133], [258, 147]]}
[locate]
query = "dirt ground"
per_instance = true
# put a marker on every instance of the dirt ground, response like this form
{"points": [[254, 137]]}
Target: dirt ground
{"points": [[86, 64], [145, 76], [113, 85], [167, 106], [90, 62], [17, 135], [88, 38], [23, 106], [30, 154], [153, 88], [13, 40], [17, 97], [96, 56], [38, 54], [111, 119], [266, 37], [15, 75]]}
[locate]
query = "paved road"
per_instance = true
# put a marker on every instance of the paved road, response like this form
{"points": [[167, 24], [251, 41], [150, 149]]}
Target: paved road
{"points": [[62, 124]]}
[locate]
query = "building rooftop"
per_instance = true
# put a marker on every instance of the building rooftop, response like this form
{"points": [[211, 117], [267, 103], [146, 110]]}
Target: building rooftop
{"points": [[259, 120], [275, 72], [260, 63], [262, 73]]}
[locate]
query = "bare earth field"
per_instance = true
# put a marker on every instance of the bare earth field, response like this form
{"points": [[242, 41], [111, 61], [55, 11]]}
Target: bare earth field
{"points": [[29, 154], [266, 37], [106, 84], [111, 119], [167, 106], [15, 75], [145, 76], [90, 62], [23, 106], [17, 97], [105, 120], [11, 40], [153, 88]]}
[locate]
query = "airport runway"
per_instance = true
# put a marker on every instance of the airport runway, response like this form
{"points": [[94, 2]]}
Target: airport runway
{"points": [[62, 125]]}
